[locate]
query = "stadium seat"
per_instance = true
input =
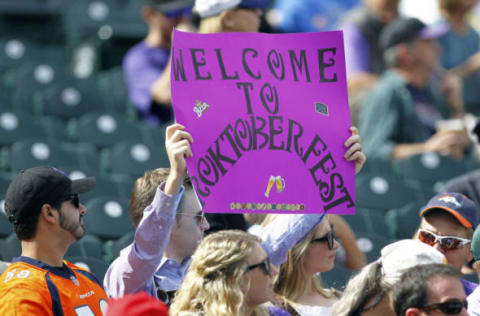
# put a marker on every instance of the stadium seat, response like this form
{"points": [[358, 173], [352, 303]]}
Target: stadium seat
{"points": [[112, 86], [383, 191], [107, 218], [403, 222], [14, 51], [88, 246], [115, 246], [6, 228], [117, 185], [368, 221], [69, 98], [15, 126], [371, 245], [135, 158], [337, 278], [11, 247], [107, 129], [95, 265], [431, 167]]}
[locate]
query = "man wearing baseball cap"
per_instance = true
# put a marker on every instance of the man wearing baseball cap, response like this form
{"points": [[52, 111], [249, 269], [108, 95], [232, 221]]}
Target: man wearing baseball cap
{"points": [[147, 64], [43, 205], [448, 222], [400, 115]]}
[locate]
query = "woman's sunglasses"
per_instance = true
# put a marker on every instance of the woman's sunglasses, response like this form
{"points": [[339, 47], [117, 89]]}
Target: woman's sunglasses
{"points": [[446, 242], [450, 307], [328, 237], [265, 265]]}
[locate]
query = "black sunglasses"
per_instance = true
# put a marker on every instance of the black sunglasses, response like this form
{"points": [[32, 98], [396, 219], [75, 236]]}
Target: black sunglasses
{"points": [[328, 237], [450, 307], [75, 200], [265, 265]]}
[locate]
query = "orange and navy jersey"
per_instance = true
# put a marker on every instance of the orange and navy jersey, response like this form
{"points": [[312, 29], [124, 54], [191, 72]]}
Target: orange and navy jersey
{"points": [[31, 287]]}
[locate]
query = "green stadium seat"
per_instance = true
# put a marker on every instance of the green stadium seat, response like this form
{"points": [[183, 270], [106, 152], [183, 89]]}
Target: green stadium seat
{"points": [[69, 98], [95, 265], [107, 218], [368, 221], [34, 152], [371, 245], [113, 88], [15, 126], [88, 246], [403, 222], [431, 167], [135, 158], [118, 185], [115, 246], [11, 247], [337, 278], [107, 129], [6, 228]]}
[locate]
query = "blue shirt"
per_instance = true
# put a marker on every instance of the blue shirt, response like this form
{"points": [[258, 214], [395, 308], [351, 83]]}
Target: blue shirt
{"points": [[142, 263], [311, 15], [142, 66]]}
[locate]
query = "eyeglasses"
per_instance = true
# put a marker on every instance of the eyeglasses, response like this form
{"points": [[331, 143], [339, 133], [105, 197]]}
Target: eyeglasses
{"points": [[328, 237], [446, 242], [265, 265], [199, 218], [450, 307]]}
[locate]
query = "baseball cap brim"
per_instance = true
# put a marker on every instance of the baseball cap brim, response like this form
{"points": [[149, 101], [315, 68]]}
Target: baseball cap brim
{"points": [[171, 6], [84, 185], [257, 4], [462, 220]]}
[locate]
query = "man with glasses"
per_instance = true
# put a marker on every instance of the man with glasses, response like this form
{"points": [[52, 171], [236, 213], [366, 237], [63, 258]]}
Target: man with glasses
{"points": [[170, 224], [147, 64], [43, 205], [447, 224], [430, 289]]}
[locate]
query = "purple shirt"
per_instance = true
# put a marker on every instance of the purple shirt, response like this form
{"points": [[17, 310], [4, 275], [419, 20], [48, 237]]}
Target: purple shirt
{"points": [[142, 66], [141, 264], [357, 54]]}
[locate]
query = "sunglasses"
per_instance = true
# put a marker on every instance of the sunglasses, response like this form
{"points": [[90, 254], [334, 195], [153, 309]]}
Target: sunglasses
{"points": [[450, 307], [199, 218], [328, 237], [446, 242], [74, 199], [265, 265]]}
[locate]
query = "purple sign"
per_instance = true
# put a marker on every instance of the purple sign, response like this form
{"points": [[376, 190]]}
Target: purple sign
{"points": [[269, 115]]}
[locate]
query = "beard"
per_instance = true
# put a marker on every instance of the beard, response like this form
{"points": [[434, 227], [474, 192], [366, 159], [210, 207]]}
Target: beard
{"points": [[76, 229]]}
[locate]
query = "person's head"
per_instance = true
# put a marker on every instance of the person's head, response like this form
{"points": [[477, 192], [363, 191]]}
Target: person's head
{"points": [[475, 249], [455, 7], [385, 10], [366, 289], [230, 15], [432, 289], [409, 44], [448, 221], [315, 253], [46, 194], [190, 223], [230, 273], [163, 15], [138, 304]]}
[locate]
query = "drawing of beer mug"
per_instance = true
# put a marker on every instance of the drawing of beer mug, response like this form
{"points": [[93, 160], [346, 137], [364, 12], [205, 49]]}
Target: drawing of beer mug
{"points": [[271, 181], [280, 183]]}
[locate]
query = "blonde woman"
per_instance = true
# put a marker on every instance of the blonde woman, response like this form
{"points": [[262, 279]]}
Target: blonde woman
{"points": [[298, 284], [230, 274]]}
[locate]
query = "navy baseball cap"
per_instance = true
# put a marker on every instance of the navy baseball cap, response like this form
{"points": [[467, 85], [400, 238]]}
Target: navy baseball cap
{"points": [[207, 8], [405, 30], [461, 207], [41, 185]]}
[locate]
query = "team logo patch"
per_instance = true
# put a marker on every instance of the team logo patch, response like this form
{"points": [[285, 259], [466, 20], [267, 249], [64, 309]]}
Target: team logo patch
{"points": [[447, 198]]}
